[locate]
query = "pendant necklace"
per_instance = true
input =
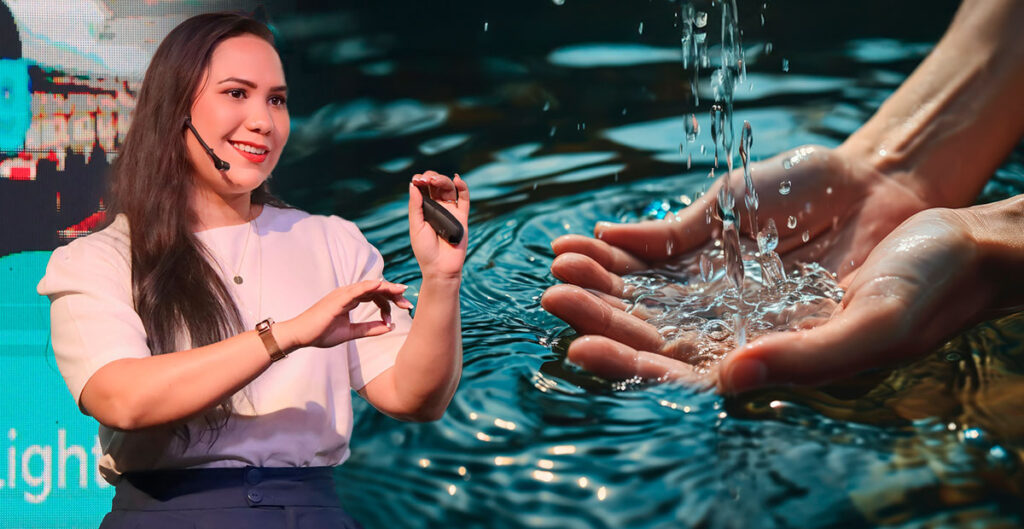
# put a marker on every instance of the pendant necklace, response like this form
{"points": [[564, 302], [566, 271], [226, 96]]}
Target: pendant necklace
{"points": [[238, 279]]}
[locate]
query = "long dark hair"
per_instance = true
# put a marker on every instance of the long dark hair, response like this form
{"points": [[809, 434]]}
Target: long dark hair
{"points": [[180, 298]]}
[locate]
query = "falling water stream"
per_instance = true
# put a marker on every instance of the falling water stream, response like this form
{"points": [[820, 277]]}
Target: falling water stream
{"points": [[701, 321]]}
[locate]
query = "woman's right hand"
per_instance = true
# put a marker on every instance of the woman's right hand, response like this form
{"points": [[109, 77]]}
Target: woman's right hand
{"points": [[327, 323]]}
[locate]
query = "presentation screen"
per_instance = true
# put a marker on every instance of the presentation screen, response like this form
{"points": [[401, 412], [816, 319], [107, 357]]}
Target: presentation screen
{"points": [[69, 73]]}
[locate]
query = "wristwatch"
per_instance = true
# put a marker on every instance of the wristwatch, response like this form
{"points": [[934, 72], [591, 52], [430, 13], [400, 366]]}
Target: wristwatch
{"points": [[265, 329]]}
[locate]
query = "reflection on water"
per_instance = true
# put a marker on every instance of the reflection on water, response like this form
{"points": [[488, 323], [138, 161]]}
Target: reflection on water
{"points": [[557, 125]]}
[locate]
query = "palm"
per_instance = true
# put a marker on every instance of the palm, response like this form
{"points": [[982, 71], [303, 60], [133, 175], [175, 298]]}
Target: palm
{"points": [[843, 205]]}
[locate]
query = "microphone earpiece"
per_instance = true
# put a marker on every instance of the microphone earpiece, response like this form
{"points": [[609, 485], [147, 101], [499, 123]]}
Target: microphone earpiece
{"points": [[221, 165]]}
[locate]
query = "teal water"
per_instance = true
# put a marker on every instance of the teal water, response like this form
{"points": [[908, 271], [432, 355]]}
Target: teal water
{"points": [[554, 137]]}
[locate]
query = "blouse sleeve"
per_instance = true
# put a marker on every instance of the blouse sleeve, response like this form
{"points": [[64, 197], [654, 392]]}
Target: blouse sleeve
{"points": [[92, 317], [359, 260]]}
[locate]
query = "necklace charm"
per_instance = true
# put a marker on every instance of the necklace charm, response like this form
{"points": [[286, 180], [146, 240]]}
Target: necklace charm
{"points": [[238, 280]]}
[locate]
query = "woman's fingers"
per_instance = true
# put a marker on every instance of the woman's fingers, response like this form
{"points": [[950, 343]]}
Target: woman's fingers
{"points": [[588, 314], [441, 188], [369, 328], [613, 360], [372, 290], [581, 270], [613, 259], [462, 204]]}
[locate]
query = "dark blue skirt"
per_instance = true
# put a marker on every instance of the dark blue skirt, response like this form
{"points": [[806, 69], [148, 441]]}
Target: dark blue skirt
{"points": [[228, 498]]}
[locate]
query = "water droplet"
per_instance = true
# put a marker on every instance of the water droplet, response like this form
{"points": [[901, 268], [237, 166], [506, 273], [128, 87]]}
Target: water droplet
{"points": [[805, 236], [786, 164], [485, 26], [784, 187], [707, 268], [689, 160], [828, 190], [552, 132], [547, 106], [668, 247], [791, 223], [882, 151], [558, 2], [768, 237], [767, 46], [701, 19], [785, 65], [640, 30], [692, 128], [623, 111]]}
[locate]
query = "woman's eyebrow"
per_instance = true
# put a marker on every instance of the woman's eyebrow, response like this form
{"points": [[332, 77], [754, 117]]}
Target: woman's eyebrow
{"points": [[250, 84]]}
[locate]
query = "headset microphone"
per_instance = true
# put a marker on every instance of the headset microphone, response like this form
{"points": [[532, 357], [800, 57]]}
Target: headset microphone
{"points": [[221, 165]]}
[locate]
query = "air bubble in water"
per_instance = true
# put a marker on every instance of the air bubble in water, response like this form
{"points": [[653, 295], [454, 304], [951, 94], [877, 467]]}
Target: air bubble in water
{"points": [[767, 48], [784, 187], [558, 2], [640, 30], [791, 223], [805, 236], [485, 26], [701, 19], [785, 65]]}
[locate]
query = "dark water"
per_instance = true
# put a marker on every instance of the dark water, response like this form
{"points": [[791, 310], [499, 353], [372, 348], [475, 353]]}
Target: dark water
{"points": [[561, 116]]}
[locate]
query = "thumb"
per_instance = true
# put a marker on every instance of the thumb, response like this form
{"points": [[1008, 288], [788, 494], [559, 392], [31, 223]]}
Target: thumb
{"points": [[370, 328], [854, 340]]}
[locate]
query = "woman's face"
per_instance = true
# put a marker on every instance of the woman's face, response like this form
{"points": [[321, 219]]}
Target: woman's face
{"points": [[240, 113]]}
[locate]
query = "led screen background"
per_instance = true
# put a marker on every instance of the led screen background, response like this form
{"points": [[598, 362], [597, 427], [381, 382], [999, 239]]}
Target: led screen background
{"points": [[69, 70]]}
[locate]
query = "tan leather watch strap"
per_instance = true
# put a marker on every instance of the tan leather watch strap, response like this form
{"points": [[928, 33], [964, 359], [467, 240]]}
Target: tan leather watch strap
{"points": [[265, 329]]}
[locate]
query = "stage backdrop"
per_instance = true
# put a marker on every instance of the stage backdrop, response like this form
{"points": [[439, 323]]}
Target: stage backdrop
{"points": [[69, 71]]}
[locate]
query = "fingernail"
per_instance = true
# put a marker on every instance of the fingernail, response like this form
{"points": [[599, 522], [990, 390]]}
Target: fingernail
{"points": [[745, 374]]}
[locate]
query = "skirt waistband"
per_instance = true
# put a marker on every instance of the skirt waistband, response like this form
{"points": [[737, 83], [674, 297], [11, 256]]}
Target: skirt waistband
{"points": [[204, 488]]}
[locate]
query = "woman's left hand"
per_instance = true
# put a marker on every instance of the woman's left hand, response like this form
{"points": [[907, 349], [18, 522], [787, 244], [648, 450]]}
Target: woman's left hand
{"points": [[438, 258]]}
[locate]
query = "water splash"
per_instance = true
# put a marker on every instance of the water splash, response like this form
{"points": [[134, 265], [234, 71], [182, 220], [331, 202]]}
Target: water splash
{"points": [[703, 320]]}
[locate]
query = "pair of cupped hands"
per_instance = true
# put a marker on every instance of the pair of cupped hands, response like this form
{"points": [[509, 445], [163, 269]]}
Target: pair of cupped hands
{"points": [[910, 274]]}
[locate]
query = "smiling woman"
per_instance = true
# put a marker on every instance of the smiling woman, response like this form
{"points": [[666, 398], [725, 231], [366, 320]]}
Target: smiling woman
{"points": [[240, 107], [198, 423]]}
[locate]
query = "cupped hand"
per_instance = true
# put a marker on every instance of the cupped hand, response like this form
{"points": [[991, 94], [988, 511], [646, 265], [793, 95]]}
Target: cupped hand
{"points": [[327, 322], [917, 287], [437, 257], [843, 204], [924, 282]]}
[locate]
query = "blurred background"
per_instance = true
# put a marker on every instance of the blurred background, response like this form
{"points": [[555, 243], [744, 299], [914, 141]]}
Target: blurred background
{"points": [[558, 114]]}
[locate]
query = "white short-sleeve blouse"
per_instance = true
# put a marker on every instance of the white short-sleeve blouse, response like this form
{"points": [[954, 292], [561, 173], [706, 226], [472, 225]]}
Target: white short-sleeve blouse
{"points": [[299, 411]]}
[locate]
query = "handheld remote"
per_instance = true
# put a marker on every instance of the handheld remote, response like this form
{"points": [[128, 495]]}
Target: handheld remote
{"points": [[444, 223]]}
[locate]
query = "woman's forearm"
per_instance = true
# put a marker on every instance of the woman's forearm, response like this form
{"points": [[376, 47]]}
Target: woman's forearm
{"points": [[135, 393], [426, 372], [954, 120]]}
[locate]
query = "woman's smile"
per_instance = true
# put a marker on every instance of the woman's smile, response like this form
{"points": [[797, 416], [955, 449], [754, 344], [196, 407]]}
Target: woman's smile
{"points": [[253, 152]]}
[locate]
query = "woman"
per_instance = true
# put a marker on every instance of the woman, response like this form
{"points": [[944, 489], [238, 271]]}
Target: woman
{"points": [[163, 323]]}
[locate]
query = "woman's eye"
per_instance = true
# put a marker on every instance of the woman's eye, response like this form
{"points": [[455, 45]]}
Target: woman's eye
{"points": [[236, 93], [277, 101]]}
